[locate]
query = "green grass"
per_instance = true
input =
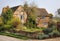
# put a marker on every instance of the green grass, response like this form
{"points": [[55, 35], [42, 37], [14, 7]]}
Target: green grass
{"points": [[32, 29], [14, 35]]}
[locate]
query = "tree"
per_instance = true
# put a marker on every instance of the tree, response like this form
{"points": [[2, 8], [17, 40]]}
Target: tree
{"points": [[6, 15], [25, 7], [14, 22], [58, 11], [31, 12]]}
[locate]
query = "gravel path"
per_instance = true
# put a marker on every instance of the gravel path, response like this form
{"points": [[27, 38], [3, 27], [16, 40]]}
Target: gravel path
{"points": [[6, 38]]}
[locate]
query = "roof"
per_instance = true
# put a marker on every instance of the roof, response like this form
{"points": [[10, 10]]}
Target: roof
{"points": [[14, 8], [41, 11]]}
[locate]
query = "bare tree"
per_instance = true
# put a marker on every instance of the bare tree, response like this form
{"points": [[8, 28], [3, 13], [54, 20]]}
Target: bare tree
{"points": [[58, 13]]}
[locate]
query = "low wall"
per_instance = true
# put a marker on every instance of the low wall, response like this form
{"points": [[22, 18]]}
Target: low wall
{"points": [[29, 34], [58, 26]]}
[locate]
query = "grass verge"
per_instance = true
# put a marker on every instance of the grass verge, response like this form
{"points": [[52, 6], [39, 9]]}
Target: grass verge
{"points": [[14, 35]]}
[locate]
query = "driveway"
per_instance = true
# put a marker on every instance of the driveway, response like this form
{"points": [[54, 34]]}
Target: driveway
{"points": [[6, 38]]}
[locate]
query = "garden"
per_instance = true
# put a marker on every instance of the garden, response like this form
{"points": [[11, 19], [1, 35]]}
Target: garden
{"points": [[10, 26]]}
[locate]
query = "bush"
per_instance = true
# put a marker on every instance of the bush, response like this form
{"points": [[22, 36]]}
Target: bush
{"points": [[14, 22], [43, 36], [54, 34], [1, 22], [7, 27], [1, 29], [47, 30], [7, 15], [10, 25], [50, 29], [21, 27]]}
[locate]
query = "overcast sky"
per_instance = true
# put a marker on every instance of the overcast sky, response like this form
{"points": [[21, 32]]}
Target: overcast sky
{"points": [[50, 5]]}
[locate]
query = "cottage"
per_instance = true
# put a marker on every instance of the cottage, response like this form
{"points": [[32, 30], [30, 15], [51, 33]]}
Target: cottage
{"points": [[41, 20], [19, 13]]}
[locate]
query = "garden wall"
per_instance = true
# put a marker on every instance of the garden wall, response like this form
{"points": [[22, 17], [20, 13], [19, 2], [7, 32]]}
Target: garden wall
{"points": [[58, 26], [29, 34]]}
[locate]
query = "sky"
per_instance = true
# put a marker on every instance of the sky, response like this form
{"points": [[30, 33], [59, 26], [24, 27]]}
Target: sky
{"points": [[50, 5]]}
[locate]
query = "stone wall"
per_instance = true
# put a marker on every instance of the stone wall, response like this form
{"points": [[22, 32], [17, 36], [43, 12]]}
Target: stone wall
{"points": [[29, 34], [58, 26]]}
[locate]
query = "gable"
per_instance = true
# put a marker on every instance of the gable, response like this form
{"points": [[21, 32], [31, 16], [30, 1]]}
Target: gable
{"points": [[14, 8], [18, 10]]}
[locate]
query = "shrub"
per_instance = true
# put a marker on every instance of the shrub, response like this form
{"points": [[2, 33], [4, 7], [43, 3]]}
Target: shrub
{"points": [[7, 27], [42, 36], [14, 22], [47, 30], [1, 22], [54, 34], [7, 15], [50, 29], [10, 25], [1, 29], [21, 27]]}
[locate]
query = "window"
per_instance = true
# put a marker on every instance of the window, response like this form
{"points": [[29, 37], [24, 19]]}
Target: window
{"points": [[45, 23], [21, 17]]}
